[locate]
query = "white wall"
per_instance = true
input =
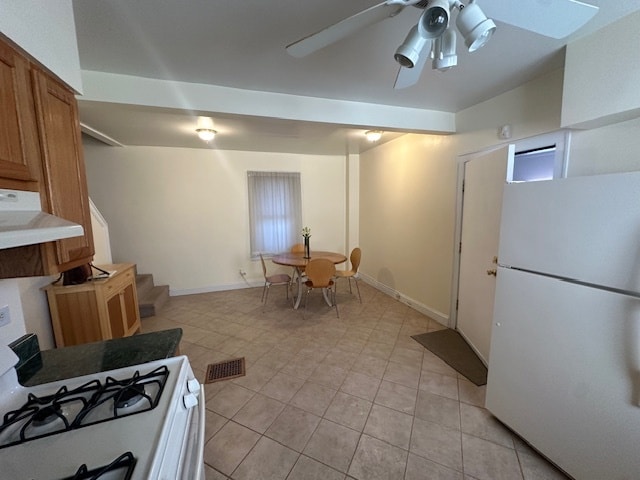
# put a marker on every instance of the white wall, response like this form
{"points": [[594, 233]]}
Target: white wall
{"points": [[408, 193], [602, 74], [47, 31], [182, 214]]}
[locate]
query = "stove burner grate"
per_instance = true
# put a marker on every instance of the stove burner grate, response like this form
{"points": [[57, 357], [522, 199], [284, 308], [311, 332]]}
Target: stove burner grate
{"points": [[122, 466], [72, 409]]}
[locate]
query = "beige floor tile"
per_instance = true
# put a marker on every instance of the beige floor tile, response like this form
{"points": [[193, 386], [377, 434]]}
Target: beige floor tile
{"points": [[390, 426], [213, 424], [534, 467], [313, 398], [282, 387], [398, 397], [329, 376], [259, 413], [309, 469], [486, 460], [229, 446], [406, 356], [370, 365], [419, 468], [361, 386], [333, 445], [437, 409], [256, 377], [229, 400], [479, 422], [293, 428], [301, 366], [437, 443], [267, 461], [349, 411], [406, 375], [377, 460], [470, 393], [444, 385], [211, 474]]}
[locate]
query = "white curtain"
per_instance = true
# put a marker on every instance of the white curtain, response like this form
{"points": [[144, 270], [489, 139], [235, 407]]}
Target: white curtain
{"points": [[275, 211]]}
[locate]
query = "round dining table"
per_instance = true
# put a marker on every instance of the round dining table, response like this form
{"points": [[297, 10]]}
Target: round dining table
{"points": [[298, 261]]}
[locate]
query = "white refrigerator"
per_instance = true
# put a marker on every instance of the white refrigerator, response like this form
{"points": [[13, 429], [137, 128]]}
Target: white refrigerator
{"points": [[564, 365]]}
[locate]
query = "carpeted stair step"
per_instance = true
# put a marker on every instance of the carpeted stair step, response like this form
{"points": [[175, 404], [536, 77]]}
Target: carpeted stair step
{"points": [[151, 297]]}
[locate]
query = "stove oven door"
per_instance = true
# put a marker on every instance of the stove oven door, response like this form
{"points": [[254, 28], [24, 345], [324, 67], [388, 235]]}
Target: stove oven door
{"points": [[183, 456]]}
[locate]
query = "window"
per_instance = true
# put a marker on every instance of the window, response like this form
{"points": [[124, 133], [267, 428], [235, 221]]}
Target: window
{"points": [[543, 157], [534, 165], [275, 212]]}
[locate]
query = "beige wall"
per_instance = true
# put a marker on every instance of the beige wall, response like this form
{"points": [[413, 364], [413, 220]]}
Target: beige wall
{"points": [[408, 193], [182, 214]]}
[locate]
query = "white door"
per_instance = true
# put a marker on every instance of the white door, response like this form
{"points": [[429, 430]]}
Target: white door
{"points": [[484, 179]]}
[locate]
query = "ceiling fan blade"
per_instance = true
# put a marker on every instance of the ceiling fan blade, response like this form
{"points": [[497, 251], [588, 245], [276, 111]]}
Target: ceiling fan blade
{"points": [[407, 77], [551, 18], [343, 29]]}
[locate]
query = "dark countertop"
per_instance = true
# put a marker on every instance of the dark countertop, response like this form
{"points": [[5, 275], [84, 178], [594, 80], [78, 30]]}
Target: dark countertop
{"points": [[36, 367]]}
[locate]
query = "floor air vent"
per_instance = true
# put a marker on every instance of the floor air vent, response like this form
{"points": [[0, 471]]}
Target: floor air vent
{"points": [[225, 370]]}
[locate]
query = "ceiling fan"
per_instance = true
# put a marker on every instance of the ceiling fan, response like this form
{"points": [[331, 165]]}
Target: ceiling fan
{"points": [[431, 38]]}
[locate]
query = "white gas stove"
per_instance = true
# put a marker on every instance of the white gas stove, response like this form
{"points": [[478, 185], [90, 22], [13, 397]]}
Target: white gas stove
{"points": [[140, 422]]}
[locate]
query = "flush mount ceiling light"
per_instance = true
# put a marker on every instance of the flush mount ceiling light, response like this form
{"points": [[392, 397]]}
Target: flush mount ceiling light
{"points": [[373, 135], [205, 129], [206, 134], [433, 38]]}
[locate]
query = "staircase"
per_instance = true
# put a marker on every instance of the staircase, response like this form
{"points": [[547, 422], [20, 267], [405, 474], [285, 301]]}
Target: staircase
{"points": [[151, 297]]}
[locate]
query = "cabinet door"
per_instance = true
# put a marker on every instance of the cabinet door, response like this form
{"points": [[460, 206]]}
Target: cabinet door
{"points": [[131, 309], [64, 192], [116, 316], [19, 149]]}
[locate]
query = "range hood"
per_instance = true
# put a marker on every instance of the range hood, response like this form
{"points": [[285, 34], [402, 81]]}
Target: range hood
{"points": [[22, 221]]}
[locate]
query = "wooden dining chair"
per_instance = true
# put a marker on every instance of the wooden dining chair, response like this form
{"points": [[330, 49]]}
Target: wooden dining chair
{"points": [[354, 258], [276, 279], [320, 273]]}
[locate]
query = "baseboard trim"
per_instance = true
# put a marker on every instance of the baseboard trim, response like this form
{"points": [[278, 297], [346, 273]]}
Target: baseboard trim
{"points": [[438, 316]]}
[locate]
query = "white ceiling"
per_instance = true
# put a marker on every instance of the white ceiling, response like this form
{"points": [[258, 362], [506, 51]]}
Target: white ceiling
{"points": [[241, 44]]}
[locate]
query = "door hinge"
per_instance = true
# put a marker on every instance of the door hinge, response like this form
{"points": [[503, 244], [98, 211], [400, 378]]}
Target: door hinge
{"points": [[460, 247], [457, 301]]}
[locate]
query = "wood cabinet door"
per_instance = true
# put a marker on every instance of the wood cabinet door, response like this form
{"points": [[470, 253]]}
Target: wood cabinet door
{"points": [[116, 316], [19, 149], [65, 186]]}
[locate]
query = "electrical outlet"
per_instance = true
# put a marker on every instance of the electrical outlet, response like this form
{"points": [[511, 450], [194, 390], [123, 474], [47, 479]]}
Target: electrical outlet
{"points": [[5, 317]]}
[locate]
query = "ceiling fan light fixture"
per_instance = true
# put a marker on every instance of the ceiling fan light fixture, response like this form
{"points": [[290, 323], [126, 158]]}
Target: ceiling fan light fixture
{"points": [[206, 134], [373, 135], [408, 53], [444, 51], [474, 26], [435, 19]]}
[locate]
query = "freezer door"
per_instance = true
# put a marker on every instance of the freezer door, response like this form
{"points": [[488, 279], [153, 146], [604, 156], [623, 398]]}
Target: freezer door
{"points": [[564, 373], [585, 228]]}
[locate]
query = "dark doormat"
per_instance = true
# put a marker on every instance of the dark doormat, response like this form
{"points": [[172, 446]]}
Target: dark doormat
{"points": [[225, 370], [449, 345]]}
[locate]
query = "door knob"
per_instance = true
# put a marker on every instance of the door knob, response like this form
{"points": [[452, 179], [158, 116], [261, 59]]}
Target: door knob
{"points": [[493, 272]]}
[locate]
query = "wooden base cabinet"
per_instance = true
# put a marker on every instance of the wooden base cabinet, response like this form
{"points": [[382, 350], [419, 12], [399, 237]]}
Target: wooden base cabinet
{"points": [[96, 310]]}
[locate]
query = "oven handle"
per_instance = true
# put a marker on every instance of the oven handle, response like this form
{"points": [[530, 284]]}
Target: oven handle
{"points": [[200, 442]]}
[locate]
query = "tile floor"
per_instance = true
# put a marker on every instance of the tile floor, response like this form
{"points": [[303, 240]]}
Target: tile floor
{"points": [[338, 398]]}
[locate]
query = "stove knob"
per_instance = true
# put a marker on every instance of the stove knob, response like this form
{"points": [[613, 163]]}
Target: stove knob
{"points": [[190, 400], [193, 385]]}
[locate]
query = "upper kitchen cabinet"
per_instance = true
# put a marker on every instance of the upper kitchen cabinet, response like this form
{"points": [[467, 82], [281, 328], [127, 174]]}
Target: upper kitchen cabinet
{"points": [[64, 184], [19, 146], [41, 150]]}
